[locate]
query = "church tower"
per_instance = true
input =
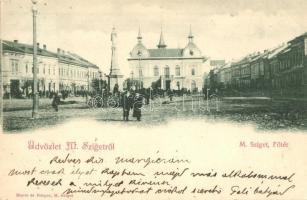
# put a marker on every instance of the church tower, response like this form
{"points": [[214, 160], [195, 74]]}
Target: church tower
{"points": [[191, 50], [161, 44], [115, 76]]}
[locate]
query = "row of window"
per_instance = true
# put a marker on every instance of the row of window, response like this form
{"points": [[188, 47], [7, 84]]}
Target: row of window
{"points": [[166, 71], [292, 59], [29, 69], [290, 79], [281, 66], [257, 69], [50, 70], [73, 73]]}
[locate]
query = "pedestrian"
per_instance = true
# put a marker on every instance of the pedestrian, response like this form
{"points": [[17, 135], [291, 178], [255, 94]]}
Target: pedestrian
{"points": [[55, 102], [127, 103], [137, 105], [170, 94]]}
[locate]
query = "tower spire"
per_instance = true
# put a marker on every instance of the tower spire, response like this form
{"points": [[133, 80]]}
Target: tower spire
{"points": [[161, 41], [139, 37], [190, 35]]}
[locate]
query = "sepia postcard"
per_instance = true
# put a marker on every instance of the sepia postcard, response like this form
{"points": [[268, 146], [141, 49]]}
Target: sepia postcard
{"points": [[168, 100]]}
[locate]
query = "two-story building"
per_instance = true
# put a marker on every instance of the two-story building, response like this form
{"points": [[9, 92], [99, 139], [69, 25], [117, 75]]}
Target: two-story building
{"points": [[56, 71], [176, 68]]}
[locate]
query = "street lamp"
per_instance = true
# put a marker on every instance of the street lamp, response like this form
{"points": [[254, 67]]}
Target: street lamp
{"points": [[88, 86], [131, 84], [35, 89], [99, 82], [208, 89], [100, 87]]}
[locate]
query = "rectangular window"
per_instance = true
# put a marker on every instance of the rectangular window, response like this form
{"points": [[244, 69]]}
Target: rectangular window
{"points": [[177, 71], [14, 66], [193, 72], [166, 71], [261, 69], [27, 67]]}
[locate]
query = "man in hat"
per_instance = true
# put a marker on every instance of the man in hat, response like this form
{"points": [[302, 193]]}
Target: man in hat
{"points": [[127, 103]]}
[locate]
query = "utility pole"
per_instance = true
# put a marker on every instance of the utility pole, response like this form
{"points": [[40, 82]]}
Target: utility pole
{"points": [[35, 89]]}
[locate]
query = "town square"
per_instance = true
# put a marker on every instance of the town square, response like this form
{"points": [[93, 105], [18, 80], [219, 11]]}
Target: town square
{"points": [[69, 63]]}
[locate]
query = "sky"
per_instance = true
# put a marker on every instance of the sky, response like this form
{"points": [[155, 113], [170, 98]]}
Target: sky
{"points": [[222, 29]]}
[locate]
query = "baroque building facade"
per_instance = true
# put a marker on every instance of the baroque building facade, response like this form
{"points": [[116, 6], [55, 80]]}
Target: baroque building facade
{"points": [[174, 68], [56, 71]]}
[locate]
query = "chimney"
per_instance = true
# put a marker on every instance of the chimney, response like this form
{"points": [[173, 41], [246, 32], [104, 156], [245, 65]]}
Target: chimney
{"points": [[45, 47], [59, 51], [37, 45], [15, 41]]}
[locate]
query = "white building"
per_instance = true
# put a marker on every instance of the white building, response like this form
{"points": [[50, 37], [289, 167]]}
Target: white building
{"points": [[56, 71], [176, 68], [75, 73]]}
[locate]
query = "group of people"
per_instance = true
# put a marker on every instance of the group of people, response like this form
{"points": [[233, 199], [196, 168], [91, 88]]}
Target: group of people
{"points": [[132, 100]]}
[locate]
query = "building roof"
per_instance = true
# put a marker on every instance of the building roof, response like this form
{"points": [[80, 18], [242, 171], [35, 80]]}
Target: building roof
{"points": [[71, 58], [277, 51], [243, 60], [75, 59], [304, 35], [163, 52], [217, 62], [25, 48]]}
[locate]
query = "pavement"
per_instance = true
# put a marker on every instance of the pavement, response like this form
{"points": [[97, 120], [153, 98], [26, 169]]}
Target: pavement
{"points": [[265, 114]]}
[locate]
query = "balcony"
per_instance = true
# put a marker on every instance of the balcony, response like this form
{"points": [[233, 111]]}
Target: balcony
{"points": [[168, 77]]}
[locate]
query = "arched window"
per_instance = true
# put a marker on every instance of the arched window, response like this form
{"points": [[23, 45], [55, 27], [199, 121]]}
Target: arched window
{"points": [[156, 71], [139, 53], [177, 71]]}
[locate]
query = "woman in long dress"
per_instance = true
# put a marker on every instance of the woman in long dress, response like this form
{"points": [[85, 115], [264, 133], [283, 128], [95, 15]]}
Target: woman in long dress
{"points": [[137, 105]]}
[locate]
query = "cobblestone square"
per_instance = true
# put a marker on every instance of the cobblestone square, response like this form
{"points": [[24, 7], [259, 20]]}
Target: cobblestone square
{"points": [[265, 114]]}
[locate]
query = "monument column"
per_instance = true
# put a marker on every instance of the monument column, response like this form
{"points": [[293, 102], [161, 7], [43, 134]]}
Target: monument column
{"points": [[115, 75]]}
